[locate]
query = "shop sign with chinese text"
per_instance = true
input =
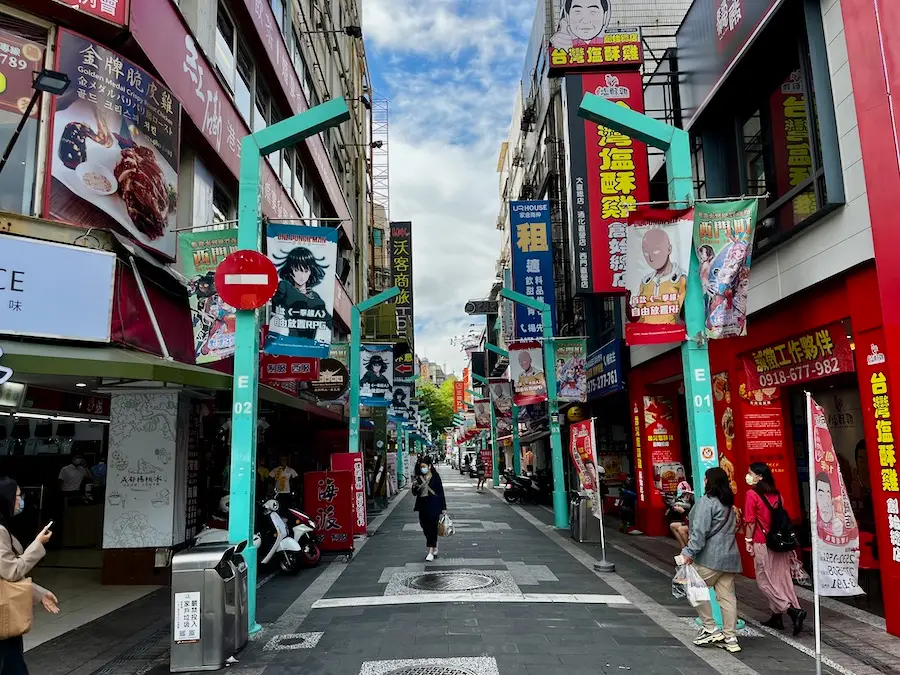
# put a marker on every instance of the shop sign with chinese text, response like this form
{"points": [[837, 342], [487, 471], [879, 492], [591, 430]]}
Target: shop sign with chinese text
{"points": [[458, 396], [328, 500], [818, 353], [115, 146], [334, 374], [532, 263], [604, 371], [353, 461], [402, 275], [19, 58], [605, 51], [609, 175], [114, 11]]}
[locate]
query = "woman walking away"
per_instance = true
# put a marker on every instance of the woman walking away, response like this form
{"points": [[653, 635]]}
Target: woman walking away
{"points": [[15, 564], [773, 569], [430, 503], [481, 470], [713, 552]]}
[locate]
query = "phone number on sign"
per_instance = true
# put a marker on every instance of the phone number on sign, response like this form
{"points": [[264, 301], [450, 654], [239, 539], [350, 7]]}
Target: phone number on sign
{"points": [[802, 373]]}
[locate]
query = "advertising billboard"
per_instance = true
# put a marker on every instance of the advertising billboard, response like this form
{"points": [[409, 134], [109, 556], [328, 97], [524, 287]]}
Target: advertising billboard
{"points": [[532, 263]]}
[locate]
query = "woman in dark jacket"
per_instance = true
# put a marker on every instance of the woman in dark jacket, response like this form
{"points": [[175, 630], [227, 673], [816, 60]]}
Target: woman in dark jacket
{"points": [[430, 503]]}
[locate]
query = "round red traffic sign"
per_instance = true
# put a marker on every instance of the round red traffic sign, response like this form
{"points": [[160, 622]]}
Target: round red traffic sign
{"points": [[246, 280]]}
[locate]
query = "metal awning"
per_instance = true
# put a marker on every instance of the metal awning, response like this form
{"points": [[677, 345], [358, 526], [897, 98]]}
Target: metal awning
{"points": [[111, 362]]}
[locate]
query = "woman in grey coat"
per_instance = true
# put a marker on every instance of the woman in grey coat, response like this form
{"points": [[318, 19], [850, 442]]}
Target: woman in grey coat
{"points": [[713, 552]]}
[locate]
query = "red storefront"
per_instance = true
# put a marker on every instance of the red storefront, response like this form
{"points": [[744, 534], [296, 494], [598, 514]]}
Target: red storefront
{"points": [[769, 425]]}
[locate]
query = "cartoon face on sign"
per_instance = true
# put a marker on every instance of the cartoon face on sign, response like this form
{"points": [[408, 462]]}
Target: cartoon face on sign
{"points": [[581, 23]]}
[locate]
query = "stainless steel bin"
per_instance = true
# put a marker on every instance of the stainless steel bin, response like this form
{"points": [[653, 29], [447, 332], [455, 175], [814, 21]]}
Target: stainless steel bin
{"points": [[241, 624], [206, 608], [584, 526]]}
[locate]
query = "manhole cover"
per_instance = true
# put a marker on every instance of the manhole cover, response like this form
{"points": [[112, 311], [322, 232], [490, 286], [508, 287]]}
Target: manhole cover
{"points": [[450, 581], [431, 670]]}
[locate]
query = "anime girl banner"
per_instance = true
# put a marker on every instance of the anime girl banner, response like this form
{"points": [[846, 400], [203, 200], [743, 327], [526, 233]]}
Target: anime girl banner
{"points": [[835, 530], [483, 413], [527, 373], [376, 386], [303, 306], [657, 260], [723, 237], [571, 380], [400, 409], [501, 398], [200, 254]]}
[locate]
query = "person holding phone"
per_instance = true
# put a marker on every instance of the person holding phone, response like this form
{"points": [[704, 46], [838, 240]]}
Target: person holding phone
{"points": [[16, 563]]}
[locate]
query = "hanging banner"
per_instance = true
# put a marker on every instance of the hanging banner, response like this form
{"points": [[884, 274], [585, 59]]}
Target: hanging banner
{"points": [[583, 448], [467, 385], [333, 381], [402, 277], [571, 378], [526, 370], [328, 498], [835, 530], [116, 137], [376, 383], [483, 413], [303, 305], [399, 410], [723, 413], [659, 253], [723, 239], [458, 396], [200, 254], [532, 264], [817, 353], [501, 398]]}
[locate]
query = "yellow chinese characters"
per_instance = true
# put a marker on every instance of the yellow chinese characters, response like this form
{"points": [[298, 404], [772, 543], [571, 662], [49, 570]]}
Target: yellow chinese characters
{"points": [[887, 456], [795, 351], [531, 237]]}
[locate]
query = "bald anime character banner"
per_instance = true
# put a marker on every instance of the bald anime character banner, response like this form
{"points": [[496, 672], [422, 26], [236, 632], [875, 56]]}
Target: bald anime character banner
{"points": [[657, 262], [586, 36]]}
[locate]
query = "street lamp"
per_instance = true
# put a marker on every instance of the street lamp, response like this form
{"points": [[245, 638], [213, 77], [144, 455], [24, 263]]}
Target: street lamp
{"points": [[45, 82]]}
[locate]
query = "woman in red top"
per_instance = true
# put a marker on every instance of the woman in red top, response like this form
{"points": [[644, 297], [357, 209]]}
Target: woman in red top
{"points": [[773, 569]]}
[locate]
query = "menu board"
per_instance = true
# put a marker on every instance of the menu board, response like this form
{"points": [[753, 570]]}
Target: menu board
{"points": [[19, 59]]}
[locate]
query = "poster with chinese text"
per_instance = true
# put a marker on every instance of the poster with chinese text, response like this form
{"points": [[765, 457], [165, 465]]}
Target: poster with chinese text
{"points": [[303, 305], [526, 370], [114, 152], [22, 58], [532, 264], [334, 374], [400, 410], [353, 461], [723, 238], [458, 396], [571, 378], [213, 319], [659, 253], [402, 277], [661, 429], [483, 413], [835, 530], [501, 398], [723, 412], [376, 384], [328, 500]]}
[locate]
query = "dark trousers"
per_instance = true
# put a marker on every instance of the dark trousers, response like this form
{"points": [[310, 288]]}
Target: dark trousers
{"points": [[429, 525], [12, 657]]}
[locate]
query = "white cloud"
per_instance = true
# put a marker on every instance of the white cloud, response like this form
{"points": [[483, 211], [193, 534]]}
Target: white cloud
{"points": [[450, 68]]}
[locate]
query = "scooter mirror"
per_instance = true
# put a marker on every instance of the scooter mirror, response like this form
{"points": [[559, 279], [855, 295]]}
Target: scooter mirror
{"points": [[240, 547]]}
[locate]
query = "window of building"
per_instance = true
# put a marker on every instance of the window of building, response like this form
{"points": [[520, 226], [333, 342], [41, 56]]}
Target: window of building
{"points": [[377, 237], [278, 11], [261, 107], [699, 167], [17, 182], [225, 47], [222, 205], [299, 194], [287, 169], [243, 84]]}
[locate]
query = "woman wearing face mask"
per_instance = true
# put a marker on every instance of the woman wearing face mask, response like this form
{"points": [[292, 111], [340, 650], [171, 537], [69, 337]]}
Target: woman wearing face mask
{"points": [[773, 569], [430, 503], [15, 564]]}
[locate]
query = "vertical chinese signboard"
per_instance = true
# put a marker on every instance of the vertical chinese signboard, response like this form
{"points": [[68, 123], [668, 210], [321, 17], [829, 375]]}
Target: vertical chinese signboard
{"points": [[402, 275], [661, 425], [353, 461], [532, 264], [328, 500], [609, 175], [458, 396]]}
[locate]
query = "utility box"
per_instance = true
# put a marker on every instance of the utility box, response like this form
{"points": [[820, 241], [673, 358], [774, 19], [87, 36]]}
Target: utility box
{"points": [[582, 523], [209, 618]]}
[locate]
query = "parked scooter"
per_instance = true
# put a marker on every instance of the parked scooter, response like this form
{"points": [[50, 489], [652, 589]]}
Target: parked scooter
{"points": [[522, 489], [304, 533]]}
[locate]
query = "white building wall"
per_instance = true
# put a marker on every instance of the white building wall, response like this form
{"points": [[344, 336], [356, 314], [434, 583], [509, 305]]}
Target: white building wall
{"points": [[841, 240]]}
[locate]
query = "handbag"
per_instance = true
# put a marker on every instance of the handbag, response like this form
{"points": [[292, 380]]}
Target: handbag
{"points": [[16, 605]]}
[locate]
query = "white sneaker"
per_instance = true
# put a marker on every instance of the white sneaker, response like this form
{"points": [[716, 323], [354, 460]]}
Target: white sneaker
{"points": [[435, 551], [429, 557], [731, 645], [709, 638]]}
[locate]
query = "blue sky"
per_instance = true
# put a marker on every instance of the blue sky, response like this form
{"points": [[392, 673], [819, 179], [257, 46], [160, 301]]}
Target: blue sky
{"points": [[450, 69]]}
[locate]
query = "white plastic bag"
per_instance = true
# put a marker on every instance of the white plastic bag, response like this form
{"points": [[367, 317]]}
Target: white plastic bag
{"points": [[445, 526], [688, 584]]}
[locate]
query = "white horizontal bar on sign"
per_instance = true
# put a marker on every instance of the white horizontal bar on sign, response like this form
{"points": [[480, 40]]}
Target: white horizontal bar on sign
{"points": [[246, 279]]}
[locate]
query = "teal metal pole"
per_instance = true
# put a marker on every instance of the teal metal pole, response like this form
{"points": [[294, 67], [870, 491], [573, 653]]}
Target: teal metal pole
{"points": [[246, 357], [356, 313], [517, 446]]}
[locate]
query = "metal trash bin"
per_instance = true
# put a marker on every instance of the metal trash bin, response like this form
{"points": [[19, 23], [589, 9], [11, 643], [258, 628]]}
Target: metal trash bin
{"points": [[242, 622], [206, 607], [584, 526]]}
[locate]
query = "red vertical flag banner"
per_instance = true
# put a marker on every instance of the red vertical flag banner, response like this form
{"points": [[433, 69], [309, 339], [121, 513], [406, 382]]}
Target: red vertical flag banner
{"points": [[458, 395], [328, 500], [353, 461]]}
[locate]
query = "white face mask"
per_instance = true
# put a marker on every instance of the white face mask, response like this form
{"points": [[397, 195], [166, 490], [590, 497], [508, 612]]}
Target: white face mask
{"points": [[423, 470], [752, 479]]}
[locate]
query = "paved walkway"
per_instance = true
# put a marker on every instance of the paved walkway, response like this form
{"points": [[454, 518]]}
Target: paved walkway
{"points": [[507, 595]]}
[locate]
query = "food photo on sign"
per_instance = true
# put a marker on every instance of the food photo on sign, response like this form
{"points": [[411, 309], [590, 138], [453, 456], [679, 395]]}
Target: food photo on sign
{"points": [[303, 305], [527, 373], [114, 160], [658, 257]]}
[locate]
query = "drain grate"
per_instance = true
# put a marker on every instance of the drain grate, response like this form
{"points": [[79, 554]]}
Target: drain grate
{"points": [[431, 670], [450, 581], [141, 656]]}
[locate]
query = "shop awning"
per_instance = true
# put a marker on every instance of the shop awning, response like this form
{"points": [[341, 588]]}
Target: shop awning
{"points": [[113, 362]]}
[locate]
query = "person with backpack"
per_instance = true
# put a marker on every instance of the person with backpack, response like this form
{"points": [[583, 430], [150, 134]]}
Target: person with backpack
{"points": [[713, 552], [770, 539]]}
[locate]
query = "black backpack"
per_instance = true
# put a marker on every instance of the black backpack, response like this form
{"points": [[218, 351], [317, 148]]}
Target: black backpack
{"points": [[781, 537]]}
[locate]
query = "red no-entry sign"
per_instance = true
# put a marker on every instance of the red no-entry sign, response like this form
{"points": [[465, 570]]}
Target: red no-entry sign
{"points": [[246, 280]]}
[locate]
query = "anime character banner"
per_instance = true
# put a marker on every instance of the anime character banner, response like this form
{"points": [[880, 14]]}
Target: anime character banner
{"points": [[483, 413], [581, 39], [400, 409], [835, 529], [501, 398], [303, 306], [571, 378], [659, 253], [723, 237], [527, 372], [213, 319], [376, 386]]}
